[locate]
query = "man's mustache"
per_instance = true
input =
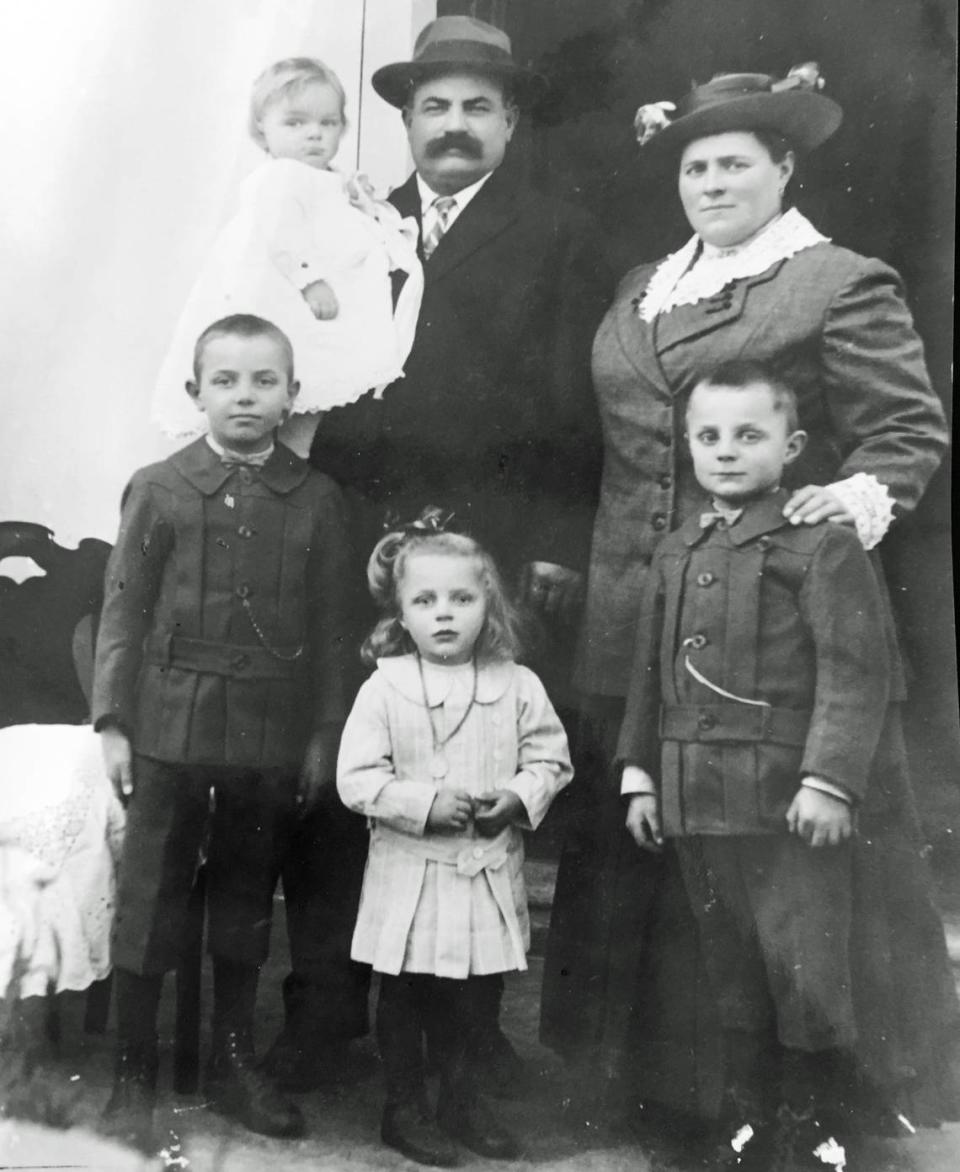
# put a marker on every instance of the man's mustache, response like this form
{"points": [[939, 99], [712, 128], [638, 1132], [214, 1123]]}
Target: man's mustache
{"points": [[456, 140]]}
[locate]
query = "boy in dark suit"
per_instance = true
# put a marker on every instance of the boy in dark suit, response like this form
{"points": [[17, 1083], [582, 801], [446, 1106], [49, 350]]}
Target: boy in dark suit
{"points": [[761, 668], [219, 699]]}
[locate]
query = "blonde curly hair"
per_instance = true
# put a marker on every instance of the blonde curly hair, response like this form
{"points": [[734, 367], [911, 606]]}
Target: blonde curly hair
{"points": [[500, 637]]}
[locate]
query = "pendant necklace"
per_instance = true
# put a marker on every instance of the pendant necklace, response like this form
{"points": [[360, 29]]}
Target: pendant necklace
{"points": [[439, 766]]}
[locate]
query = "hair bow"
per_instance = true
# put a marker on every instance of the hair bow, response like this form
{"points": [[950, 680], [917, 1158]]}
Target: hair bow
{"points": [[431, 520], [649, 120], [806, 76]]}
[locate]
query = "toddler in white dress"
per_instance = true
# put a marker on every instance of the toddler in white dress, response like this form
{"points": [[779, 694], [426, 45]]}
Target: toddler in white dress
{"points": [[308, 251]]}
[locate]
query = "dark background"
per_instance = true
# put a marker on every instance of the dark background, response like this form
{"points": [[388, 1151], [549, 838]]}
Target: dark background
{"points": [[884, 186]]}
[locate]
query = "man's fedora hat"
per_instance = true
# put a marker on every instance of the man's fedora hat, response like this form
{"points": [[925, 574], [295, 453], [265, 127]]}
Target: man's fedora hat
{"points": [[452, 44], [793, 107]]}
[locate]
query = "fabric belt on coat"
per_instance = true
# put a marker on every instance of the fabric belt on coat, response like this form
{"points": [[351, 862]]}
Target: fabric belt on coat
{"points": [[233, 660], [470, 857], [734, 722]]}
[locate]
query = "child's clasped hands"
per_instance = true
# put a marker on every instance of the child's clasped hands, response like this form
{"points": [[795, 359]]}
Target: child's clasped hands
{"points": [[453, 810]]}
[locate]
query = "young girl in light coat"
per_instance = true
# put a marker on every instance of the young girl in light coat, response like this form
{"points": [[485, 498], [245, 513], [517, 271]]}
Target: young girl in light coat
{"points": [[451, 749]]}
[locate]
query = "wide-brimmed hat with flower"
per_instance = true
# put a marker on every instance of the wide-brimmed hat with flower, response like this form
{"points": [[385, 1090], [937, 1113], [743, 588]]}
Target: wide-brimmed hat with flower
{"points": [[457, 44], [793, 107]]}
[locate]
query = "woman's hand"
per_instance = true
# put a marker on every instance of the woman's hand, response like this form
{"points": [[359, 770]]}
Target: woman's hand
{"points": [[451, 811], [118, 759], [818, 818], [494, 812], [643, 821], [322, 300], [814, 503]]}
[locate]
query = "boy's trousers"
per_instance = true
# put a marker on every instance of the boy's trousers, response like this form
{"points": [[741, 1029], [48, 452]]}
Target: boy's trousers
{"points": [[774, 921], [170, 820]]}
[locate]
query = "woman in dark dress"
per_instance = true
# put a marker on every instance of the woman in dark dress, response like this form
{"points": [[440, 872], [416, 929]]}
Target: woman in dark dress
{"points": [[623, 988]]}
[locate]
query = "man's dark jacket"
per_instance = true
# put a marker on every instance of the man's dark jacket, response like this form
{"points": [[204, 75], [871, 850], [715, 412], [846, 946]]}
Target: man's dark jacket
{"points": [[495, 418]]}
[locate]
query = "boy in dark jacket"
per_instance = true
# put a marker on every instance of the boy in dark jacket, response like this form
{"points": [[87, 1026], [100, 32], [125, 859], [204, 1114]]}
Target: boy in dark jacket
{"points": [[761, 671], [218, 697]]}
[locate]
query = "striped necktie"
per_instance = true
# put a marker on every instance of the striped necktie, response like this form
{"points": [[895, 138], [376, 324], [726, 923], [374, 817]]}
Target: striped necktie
{"points": [[444, 205]]}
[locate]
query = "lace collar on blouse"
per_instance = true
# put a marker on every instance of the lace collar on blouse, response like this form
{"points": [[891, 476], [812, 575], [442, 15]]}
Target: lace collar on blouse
{"points": [[685, 278]]}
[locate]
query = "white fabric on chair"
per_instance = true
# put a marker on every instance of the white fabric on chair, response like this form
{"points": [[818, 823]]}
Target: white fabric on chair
{"points": [[60, 831]]}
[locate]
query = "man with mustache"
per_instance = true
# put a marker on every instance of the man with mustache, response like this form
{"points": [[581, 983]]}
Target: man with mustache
{"points": [[495, 419]]}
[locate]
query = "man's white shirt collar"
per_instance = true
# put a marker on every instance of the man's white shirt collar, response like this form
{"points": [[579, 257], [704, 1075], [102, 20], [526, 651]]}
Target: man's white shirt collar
{"points": [[462, 198]]}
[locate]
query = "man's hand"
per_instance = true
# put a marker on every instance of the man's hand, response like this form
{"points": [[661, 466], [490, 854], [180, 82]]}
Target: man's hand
{"points": [[643, 821], [322, 300], [818, 818], [493, 812], [451, 811], [814, 503], [318, 773], [555, 591], [118, 759]]}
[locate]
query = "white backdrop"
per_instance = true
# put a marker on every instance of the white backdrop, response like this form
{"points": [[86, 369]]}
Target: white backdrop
{"points": [[123, 139]]}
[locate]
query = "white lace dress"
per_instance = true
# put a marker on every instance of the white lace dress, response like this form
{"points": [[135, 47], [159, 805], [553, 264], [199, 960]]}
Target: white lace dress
{"points": [[295, 225], [60, 832]]}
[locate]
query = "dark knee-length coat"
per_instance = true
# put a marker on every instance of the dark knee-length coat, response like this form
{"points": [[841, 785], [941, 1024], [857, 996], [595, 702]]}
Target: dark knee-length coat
{"points": [[623, 987]]}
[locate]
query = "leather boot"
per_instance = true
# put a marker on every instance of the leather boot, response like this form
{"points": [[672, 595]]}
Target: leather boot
{"points": [[409, 1129], [128, 1115], [501, 1070], [464, 1114], [237, 1088]]}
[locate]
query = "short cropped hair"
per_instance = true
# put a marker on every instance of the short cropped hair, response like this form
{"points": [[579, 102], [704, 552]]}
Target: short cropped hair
{"points": [[739, 373], [284, 79], [242, 325]]}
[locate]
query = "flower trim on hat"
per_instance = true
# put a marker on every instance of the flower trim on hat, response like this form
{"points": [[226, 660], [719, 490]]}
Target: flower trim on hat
{"points": [[650, 119], [869, 503], [684, 278]]}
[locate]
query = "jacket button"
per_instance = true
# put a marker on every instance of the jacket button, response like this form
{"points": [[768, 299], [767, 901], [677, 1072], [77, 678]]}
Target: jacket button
{"points": [[242, 591], [245, 531], [659, 521], [763, 542], [697, 642], [478, 852], [705, 579], [240, 661], [706, 721], [665, 480]]}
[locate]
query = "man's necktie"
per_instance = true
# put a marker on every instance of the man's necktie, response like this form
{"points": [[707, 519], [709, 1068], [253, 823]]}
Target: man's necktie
{"points": [[444, 205]]}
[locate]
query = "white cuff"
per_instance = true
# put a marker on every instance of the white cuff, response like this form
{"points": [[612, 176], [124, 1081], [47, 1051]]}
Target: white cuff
{"points": [[637, 781], [827, 787], [869, 503]]}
